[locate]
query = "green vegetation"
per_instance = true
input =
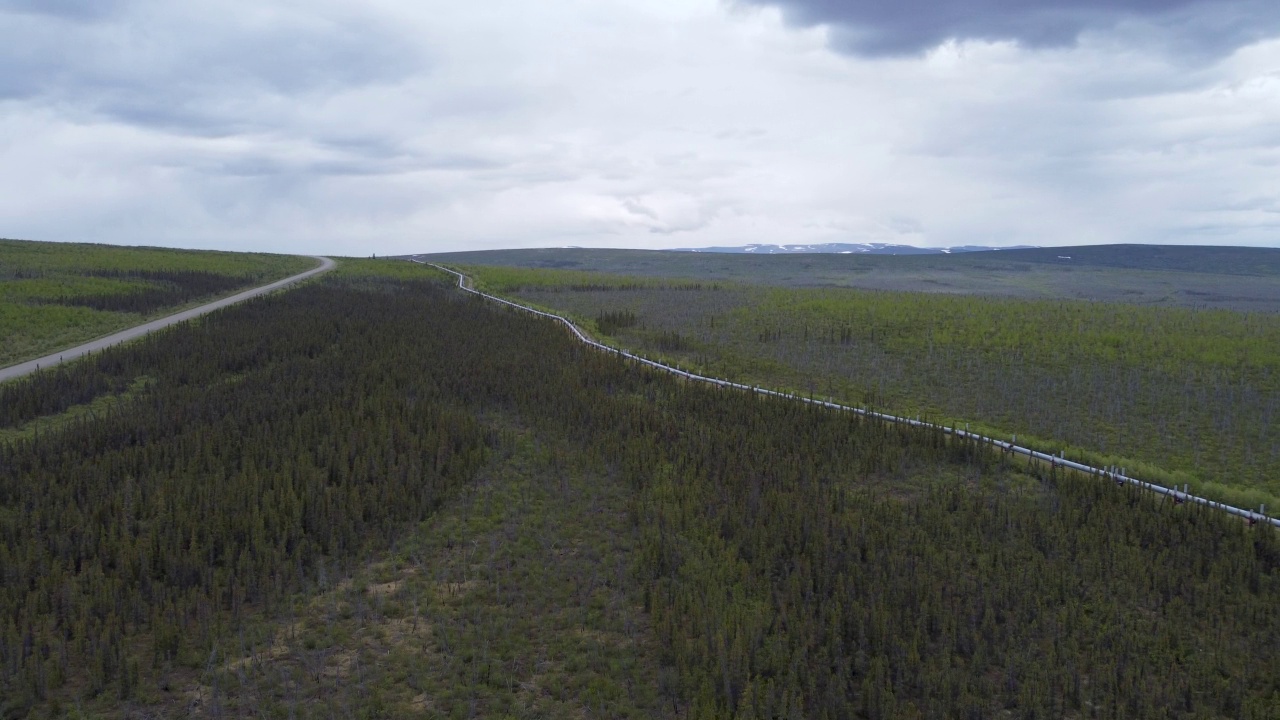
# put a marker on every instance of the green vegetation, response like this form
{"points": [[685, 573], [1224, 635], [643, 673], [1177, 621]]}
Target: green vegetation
{"points": [[132, 541], [378, 270], [509, 279], [517, 599], [13, 427], [1179, 395], [784, 586], [379, 497], [55, 295], [1246, 279]]}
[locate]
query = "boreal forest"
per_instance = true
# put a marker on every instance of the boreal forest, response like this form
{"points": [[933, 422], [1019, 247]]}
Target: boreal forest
{"points": [[377, 496]]}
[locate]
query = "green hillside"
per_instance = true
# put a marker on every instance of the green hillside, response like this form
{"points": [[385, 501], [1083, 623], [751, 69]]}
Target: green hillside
{"points": [[56, 295]]}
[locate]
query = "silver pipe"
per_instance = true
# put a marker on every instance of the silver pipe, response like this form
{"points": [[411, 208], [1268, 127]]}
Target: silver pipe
{"points": [[1055, 460]]}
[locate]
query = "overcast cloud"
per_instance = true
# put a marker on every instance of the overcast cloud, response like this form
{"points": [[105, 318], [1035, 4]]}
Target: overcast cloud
{"points": [[892, 27], [393, 127]]}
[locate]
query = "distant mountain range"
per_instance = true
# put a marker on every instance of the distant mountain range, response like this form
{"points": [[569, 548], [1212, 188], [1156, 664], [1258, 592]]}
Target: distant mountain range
{"points": [[850, 249]]}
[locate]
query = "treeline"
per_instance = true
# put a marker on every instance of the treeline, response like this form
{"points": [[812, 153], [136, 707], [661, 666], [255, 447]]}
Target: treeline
{"points": [[57, 389], [513, 279], [58, 295], [609, 323], [154, 290], [796, 562], [25, 259]]}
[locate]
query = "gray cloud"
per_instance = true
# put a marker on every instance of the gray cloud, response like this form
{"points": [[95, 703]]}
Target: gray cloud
{"points": [[904, 27], [150, 69], [356, 162], [78, 10], [403, 126]]}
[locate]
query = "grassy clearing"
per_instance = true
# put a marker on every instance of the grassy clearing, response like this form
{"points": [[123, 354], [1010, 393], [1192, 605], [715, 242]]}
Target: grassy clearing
{"points": [[373, 268], [516, 600], [31, 331], [56, 295], [98, 407], [54, 289], [511, 279]]}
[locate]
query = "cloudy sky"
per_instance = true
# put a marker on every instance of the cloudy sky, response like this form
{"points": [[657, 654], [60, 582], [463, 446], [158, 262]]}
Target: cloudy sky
{"points": [[395, 126]]}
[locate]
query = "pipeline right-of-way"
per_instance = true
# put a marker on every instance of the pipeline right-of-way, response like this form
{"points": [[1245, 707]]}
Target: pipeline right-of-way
{"points": [[1253, 516]]}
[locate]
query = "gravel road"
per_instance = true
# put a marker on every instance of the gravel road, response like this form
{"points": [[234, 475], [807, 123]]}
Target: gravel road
{"points": [[26, 368]]}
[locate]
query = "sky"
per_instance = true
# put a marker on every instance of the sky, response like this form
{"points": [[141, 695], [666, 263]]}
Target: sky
{"points": [[392, 127]]}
